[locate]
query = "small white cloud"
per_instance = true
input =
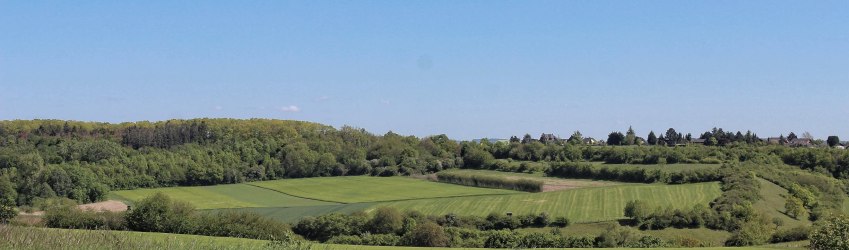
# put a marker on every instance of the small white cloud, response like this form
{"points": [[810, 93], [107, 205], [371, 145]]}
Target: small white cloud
{"points": [[385, 102], [218, 108], [290, 108], [322, 98]]}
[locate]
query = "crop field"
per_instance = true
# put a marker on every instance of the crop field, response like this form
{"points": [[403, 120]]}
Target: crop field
{"points": [[579, 205], [356, 189], [222, 196], [43, 238], [664, 167]]}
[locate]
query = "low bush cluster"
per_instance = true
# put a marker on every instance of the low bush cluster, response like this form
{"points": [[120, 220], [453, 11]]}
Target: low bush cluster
{"points": [[159, 213]]}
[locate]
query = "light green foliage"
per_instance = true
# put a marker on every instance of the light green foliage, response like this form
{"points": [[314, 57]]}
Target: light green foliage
{"points": [[579, 205], [638, 210], [795, 208], [428, 234], [223, 196], [158, 213], [755, 232], [351, 189], [808, 198], [386, 220], [831, 233]]}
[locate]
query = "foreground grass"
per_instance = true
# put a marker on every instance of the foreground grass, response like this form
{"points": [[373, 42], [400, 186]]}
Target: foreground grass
{"points": [[222, 196], [713, 238], [356, 189], [579, 205], [42, 238]]}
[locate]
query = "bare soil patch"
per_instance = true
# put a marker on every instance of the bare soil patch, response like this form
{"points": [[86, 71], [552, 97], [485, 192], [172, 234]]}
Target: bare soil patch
{"points": [[110, 205]]}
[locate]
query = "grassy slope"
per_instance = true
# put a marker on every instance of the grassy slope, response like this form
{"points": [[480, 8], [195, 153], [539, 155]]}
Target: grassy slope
{"points": [[354, 189], [39, 238], [665, 167], [579, 205], [772, 204], [222, 196]]}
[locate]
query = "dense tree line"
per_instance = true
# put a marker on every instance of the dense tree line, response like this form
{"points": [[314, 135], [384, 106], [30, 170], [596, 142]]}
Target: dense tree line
{"points": [[83, 161], [583, 170], [489, 181]]}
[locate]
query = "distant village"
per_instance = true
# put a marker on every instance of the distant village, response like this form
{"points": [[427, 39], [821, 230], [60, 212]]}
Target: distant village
{"points": [[792, 140]]}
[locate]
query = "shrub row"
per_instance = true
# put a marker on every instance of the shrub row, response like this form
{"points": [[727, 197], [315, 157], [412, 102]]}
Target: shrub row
{"points": [[488, 181], [589, 171]]}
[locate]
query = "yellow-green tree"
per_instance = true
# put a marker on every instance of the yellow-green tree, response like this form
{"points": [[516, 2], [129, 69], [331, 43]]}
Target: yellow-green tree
{"points": [[794, 207]]}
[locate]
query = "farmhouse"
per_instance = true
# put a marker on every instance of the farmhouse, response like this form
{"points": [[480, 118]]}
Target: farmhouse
{"points": [[546, 138], [776, 140], [801, 142]]}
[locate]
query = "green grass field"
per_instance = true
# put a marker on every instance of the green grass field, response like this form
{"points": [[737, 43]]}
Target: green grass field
{"points": [[664, 167], [42, 238], [222, 196], [356, 189], [579, 205]]}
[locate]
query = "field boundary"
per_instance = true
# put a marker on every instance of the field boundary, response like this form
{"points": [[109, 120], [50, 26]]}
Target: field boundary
{"points": [[410, 199], [298, 196]]}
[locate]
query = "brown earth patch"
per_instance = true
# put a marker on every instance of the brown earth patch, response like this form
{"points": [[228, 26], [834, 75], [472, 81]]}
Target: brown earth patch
{"points": [[110, 205]]}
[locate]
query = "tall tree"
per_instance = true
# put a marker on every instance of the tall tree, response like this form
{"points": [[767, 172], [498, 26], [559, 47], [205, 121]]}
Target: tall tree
{"points": [[671, 136], [833, 141], [527, 139], [615, 138], [807, 135], [576, 138], [792, 136], [630, 136], [652, 139]]}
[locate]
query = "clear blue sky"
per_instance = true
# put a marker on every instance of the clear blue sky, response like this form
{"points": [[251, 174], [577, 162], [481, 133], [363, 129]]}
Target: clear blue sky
{"points": [[468, 69]]}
